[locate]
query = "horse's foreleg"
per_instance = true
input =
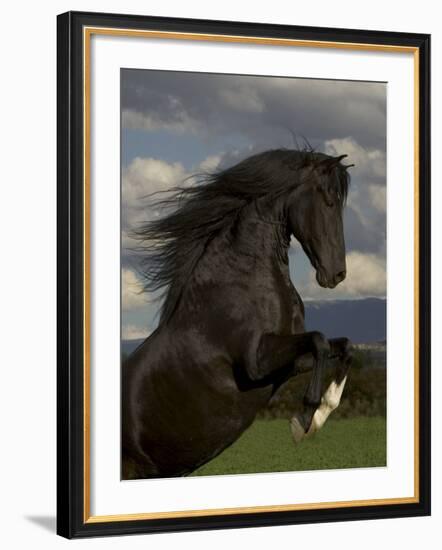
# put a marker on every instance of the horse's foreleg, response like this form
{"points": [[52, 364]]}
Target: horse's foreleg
{"points": [[276, 352], [340, 349]]}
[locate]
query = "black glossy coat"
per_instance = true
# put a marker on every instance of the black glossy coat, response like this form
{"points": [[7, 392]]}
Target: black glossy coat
{"points": [[236, 330]]}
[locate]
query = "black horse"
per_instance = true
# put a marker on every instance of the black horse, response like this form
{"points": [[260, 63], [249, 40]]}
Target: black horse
{"points": [[232, 329]]}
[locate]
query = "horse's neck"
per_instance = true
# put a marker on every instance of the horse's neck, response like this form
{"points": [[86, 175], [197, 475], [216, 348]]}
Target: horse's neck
{"points": [[264, 233], [252, 244], [253, 239]]}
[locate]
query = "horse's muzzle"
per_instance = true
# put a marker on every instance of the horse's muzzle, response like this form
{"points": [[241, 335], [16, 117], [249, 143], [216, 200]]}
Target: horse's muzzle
{"points": [[330, 282]]}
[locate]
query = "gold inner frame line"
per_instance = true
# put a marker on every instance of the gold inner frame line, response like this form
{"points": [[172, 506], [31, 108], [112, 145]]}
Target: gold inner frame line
{"points": [[87, 34]]}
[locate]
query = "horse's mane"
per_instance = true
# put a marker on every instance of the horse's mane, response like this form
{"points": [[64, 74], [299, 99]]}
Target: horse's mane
{"points": [[173, 244]]}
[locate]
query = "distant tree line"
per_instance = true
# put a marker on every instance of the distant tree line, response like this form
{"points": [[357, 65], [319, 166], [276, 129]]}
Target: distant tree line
{"points": [[365, 392]]}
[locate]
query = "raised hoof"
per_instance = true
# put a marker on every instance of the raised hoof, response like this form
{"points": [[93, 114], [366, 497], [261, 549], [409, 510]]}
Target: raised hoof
{"points": [[298, 432]]}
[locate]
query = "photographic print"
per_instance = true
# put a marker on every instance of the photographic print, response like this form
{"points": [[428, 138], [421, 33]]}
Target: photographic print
{"points": [[253, 274]]}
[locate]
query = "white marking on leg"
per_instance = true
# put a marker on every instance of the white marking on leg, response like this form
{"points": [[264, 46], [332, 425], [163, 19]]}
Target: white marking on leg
{"points": [[329, 402], [334, 393]]}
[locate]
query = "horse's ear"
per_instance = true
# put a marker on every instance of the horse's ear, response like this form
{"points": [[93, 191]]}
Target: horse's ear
{"points": [[328, 164], [338, 159]]}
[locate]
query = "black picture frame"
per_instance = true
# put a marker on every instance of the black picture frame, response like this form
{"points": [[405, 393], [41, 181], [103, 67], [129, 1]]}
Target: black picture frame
{"points": [[71, 517]]}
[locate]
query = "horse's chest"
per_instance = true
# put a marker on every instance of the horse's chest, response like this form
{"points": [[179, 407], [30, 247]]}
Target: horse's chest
{"points": [[281, 307]]}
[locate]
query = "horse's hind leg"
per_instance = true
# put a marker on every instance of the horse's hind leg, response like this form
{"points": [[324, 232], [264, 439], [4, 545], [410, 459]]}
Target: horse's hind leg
{"points": [[340, 349]]}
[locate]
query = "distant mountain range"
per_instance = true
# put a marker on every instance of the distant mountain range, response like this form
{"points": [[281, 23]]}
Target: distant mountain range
{"points": [[362, 321]]}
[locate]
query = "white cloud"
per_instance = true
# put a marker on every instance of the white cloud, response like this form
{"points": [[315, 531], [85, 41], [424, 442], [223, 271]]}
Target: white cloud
{"points": [[132, 332], [144, 176], [368, 200], [368, 162], [366, 276], [378, 196], [210, 163], [141, 178], [132, 295]]}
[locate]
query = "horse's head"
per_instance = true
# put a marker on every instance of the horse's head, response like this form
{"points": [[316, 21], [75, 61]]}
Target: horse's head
{"points": [[315, 217]]}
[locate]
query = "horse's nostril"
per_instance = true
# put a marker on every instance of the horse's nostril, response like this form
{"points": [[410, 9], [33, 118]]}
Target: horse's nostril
{"points": [[340, 276]]}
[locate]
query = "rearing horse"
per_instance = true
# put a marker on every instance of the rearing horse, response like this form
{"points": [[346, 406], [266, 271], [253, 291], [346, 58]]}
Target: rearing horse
{"points": [[232, 328]]}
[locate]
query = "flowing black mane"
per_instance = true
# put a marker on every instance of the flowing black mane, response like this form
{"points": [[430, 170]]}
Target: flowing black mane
{"points": [[173, 244]]}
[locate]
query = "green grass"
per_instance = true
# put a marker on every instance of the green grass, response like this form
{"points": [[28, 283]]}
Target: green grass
{"points": [[267, 446]]}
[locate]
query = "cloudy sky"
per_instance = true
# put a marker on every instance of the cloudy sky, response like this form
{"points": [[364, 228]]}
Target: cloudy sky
{"points": [[175, 124]]}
